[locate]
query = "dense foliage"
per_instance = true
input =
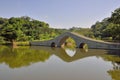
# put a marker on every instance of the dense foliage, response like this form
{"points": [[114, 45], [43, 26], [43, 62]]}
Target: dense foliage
{"points": [[25, 29], [109, 28]]}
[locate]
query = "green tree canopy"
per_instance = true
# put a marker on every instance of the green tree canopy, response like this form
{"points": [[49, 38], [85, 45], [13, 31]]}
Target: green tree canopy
{"points": [[109, 27], [25, 28]]}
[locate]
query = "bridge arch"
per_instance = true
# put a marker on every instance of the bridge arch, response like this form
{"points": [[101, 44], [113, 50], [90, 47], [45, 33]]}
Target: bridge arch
{"points": [[83, 45], [79, 39], [53, 44], [62, 41]]}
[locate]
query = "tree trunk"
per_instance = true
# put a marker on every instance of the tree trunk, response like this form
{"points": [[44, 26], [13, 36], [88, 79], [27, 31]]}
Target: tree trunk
{"points": [[13, 43]]}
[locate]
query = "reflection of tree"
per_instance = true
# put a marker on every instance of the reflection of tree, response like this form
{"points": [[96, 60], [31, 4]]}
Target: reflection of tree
{"points": [[115, 74], [114, 57], [21, 56]]}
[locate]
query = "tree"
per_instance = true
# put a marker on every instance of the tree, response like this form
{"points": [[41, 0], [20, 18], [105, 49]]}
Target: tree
{"points": [[9, 33], [108, 27], [115, 19], [25, 28]]}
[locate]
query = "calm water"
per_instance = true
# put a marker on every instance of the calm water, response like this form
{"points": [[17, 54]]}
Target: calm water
{"points": [[45, 63]]}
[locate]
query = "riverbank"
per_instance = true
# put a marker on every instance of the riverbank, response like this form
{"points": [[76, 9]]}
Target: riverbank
{"points": [[26, 43]]}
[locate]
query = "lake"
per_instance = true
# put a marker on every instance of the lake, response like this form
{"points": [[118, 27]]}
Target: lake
{"points": [[46, 63]]}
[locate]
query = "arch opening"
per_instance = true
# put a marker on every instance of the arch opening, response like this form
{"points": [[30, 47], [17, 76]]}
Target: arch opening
{"points": [[53, 44], [67, 42], [83, 46]]}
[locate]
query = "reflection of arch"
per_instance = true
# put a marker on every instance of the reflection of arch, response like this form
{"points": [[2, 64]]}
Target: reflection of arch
{"points": [[38, 53], [53, 44], [80, 53]]}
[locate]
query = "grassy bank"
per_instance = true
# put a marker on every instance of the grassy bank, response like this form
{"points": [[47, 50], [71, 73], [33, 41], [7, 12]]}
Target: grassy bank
{"points": [[23, 43], [26, 43]]}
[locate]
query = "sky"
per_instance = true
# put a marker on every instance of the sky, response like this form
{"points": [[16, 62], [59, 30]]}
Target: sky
{"points": [[60, 13]]}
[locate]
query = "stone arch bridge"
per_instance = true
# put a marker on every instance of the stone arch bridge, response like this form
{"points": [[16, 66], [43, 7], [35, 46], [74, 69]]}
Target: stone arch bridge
{"points": [[79, 39]]}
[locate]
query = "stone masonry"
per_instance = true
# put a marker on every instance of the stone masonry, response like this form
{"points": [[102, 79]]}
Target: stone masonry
{"points": [[96, 44]]}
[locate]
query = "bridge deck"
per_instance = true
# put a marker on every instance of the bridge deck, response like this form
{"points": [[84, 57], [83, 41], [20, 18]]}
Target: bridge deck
{"points": [[79, 39]]}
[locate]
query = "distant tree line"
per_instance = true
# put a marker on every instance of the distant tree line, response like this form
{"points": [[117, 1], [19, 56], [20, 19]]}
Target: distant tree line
{"points": [[25, 29]]}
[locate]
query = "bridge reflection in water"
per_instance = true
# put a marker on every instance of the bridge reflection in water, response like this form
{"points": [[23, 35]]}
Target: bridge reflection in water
{"points": [[78, 53], [26, 56]]}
